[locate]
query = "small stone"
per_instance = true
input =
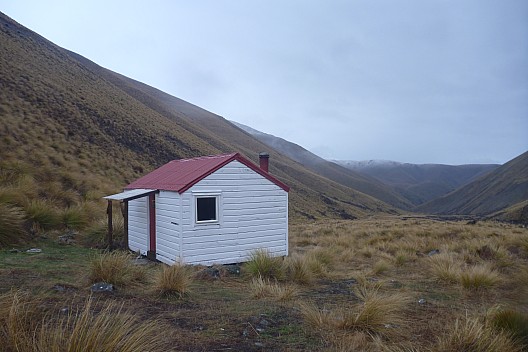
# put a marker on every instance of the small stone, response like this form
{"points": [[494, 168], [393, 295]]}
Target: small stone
{"points": [[65, 310], [433, 252], [102, 287], [259, 344], [421, 301], [67, 238], [34, 250], [264, 322], [59, 288]]}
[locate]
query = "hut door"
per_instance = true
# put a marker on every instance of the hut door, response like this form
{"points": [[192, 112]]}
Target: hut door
{"points": [[151, 253]]}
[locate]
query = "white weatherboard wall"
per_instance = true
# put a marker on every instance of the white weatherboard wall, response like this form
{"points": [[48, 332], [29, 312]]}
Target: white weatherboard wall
{"points": [[252, 212], [168, 227], [138, 225]]}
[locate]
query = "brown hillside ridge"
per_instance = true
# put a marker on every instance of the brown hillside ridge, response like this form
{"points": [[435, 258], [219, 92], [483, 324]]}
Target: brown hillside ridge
{"points": [[85, 131], [503, 191]]}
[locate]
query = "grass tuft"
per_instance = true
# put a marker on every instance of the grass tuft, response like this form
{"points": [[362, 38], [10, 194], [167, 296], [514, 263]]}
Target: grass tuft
{"points": [[375, 315], [299, 270], [478, 277], [262, 288], [513, 322], [74, 217], [11, 225], [444, 267], [173, 280], [262, 264], [42, 214], [472, 335], [25, 326], [116, 268]]}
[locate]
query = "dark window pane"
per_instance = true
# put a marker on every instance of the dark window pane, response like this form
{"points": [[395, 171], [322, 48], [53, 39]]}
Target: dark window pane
{"points": [[205, 208]]}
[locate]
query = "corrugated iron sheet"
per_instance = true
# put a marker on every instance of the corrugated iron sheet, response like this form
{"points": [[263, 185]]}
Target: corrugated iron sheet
{"points": [[180, 175]]}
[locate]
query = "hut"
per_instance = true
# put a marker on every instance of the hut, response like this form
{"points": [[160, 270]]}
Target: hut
{"points": [[206, 210]]}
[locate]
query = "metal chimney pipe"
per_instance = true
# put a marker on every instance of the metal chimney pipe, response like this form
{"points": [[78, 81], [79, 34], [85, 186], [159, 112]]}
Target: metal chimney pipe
{"points": [[264, 161]]}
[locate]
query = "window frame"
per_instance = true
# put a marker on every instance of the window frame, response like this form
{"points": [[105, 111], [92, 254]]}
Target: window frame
{"points": [[199, 195]]}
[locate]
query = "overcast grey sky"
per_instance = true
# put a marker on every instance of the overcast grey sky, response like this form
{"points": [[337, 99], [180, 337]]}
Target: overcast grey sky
{"points": [[421, 81]]}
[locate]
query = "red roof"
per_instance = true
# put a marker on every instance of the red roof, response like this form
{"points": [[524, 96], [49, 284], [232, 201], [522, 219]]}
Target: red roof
{"points": [[180, 175]]}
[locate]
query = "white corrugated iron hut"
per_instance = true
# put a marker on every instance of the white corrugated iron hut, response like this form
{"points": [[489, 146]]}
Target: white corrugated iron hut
{"points": [[206, 210]]}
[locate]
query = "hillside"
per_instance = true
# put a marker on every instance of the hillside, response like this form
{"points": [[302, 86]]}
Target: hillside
{"points": [[419, 183], [504, 187], [330, 170], [72, 131]]}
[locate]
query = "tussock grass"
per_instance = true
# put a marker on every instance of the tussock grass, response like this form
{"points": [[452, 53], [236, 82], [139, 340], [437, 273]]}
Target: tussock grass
{"points": [[111, 329], [173, 280], [445, 267], [511, 321], [264, 288], [96, 233], [298, 269], [470, 334], [262, 264], [116, 268], [380, 267], [375, 314], [478, 277], [27, 325], [11, 225], [42, 214], [74, 217], [19, 318]]}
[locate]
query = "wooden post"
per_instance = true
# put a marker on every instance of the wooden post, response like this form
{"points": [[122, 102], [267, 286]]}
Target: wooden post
{"points": [[151, 252], [110, 227], [124, 210]]}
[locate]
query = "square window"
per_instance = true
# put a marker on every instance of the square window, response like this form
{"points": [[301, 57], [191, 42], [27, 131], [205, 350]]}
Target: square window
{"points": [[206, 209]]}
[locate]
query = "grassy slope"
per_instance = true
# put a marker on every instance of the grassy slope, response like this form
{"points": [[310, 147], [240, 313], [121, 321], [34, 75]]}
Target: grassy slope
{"points": [[93, 130], [500, 189]]}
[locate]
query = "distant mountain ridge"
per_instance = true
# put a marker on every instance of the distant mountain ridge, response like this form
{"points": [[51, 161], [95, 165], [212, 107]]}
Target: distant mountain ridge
{"points": [[419, 183], [330, 170], [504, 187], [402, 185]]}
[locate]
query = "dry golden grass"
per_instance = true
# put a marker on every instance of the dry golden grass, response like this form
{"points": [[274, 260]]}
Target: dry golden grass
{"points": [[116, 268], [478, 277], [264, 288], [472, 335], [11, 225], [377, 313], [443, 263], [299, 269], [26, 325], [173, 280], [354, 302], [262, 264]]}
